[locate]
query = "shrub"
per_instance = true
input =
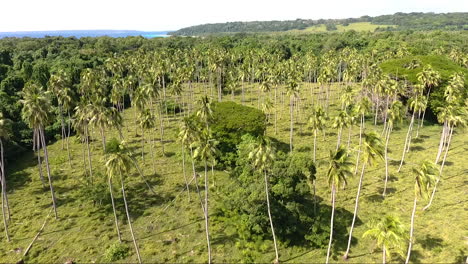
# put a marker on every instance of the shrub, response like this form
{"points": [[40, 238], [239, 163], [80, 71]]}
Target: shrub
{"points": [[116, 251], [230, 122]]}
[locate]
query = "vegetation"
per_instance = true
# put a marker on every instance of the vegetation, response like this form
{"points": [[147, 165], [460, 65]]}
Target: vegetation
{"points": [[397, 21], [234, 148]]}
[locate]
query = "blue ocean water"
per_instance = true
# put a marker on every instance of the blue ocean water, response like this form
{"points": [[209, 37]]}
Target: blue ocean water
{"points": [[85, 33]]}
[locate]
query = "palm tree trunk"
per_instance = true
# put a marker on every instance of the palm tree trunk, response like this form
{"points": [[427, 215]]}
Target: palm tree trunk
{"points": [[442, 141], [389, 130], [37, 148], [113, 208], [331, 223], [68, 140], [3, 191], [3, 180], [90, 167], [46, 159], [360, 143], [339, 137], [356, 206], [441, 169], [406, 142], [384, 255], [206, 214], [129, 220], [269, 217], [291, 118], [185, 174], [349, 135], [411, 230], [315, 143], [276, 110]]}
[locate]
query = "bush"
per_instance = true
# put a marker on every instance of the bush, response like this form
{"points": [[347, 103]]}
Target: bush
{"points": [[230, 122], [117, 251]]}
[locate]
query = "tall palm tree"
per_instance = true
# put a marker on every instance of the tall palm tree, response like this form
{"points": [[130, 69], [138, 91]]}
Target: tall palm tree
{"points": [[361, 108], [317, 122], [395, 114], [262, 157], [341, 121], [205, 150], [292, 90], [390, 234], [372, 150], [5, 131], [118, 164], [36, 113], [425, 177], [339, 169], [430, 79]]}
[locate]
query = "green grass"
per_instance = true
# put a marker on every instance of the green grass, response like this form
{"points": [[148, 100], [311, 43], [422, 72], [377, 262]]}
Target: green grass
{"points": [[169, 228], [358, 26]]}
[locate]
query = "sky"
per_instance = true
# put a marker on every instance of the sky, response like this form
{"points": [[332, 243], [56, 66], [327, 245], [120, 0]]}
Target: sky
{"points": [[162, 15]]}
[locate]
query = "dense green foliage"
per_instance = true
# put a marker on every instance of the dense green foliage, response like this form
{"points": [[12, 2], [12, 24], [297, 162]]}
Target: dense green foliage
{"points": [[412, 21], [230, 122]]}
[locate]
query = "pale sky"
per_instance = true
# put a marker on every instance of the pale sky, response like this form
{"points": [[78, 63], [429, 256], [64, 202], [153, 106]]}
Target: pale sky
{"points": [[160, 15]]}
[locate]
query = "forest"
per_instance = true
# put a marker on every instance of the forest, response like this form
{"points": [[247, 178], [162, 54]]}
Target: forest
{"points": [[398, 21], [314, 148]]}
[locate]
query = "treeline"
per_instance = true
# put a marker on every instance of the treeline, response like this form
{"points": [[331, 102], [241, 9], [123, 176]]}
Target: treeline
{"points": [[410, 21], [27, 60]]}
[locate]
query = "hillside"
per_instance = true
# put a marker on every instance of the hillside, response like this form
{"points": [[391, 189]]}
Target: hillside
{"points": [[397, 21]]}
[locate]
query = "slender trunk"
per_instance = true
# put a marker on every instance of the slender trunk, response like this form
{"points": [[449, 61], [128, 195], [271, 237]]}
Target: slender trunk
{"points": [[315, 143], [291, 117], [349, 135], [3, 190], [206, 214], [441, 142], [356, 207], [276, 110], [339, 137], [410, 245], [62, 123], [68, 140], [441, 169], [360, 143], [331, 223], [37, 147], [406, 142], [46, 159], [196, 183], [384, 255], [185, 174], [129, 220], [113, 208], [90, 167], [389, 130], [419, 123], [269, 217]]}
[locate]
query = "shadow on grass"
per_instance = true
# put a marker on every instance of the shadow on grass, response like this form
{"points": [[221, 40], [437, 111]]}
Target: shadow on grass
{"points": [[430, 242], [16, 176], [417, 148]]}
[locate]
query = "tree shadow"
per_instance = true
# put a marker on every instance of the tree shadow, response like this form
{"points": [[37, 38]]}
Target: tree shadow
{"points": [[376, 198], [418, 140], [16, 176], [430, 242], [417, 148], [303, 149]]}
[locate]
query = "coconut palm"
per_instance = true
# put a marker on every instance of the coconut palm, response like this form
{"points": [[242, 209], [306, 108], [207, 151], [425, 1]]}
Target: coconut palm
{"points": [[395, 114], [389, 233], [425, 177], [292, 90], [36, 113], [205, 150], [372, 150], [430, 79], [339, 169], [341, 121], [317, 122], [262, 157], [118, 165], [361, 108], [5, 131]]}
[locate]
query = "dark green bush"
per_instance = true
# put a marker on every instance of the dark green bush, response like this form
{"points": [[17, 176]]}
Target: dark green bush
{"points": [[230, 122], [117, 251]]}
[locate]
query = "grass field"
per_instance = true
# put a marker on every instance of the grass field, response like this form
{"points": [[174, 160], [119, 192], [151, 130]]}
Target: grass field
{"points": [[358, 26], [169, 228]]}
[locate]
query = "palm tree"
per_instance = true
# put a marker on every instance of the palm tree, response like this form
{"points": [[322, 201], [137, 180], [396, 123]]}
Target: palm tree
{"points": [[36, 113], [339, 169], [425, 177], [147, 121], [389, 234], [373, 150], [205, 150], [317, 122], [361, 108], [430, 79], [5, 131], [395, 114], [293, 92], [118, 164], [340, 121], [262, 157]]}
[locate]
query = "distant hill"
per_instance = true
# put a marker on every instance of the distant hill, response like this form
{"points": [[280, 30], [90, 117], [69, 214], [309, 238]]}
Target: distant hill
{"points": [[83, 33], [397, 21]]}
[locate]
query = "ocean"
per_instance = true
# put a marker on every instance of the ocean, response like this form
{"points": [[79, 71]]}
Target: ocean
{"points": [[85, 33]]}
